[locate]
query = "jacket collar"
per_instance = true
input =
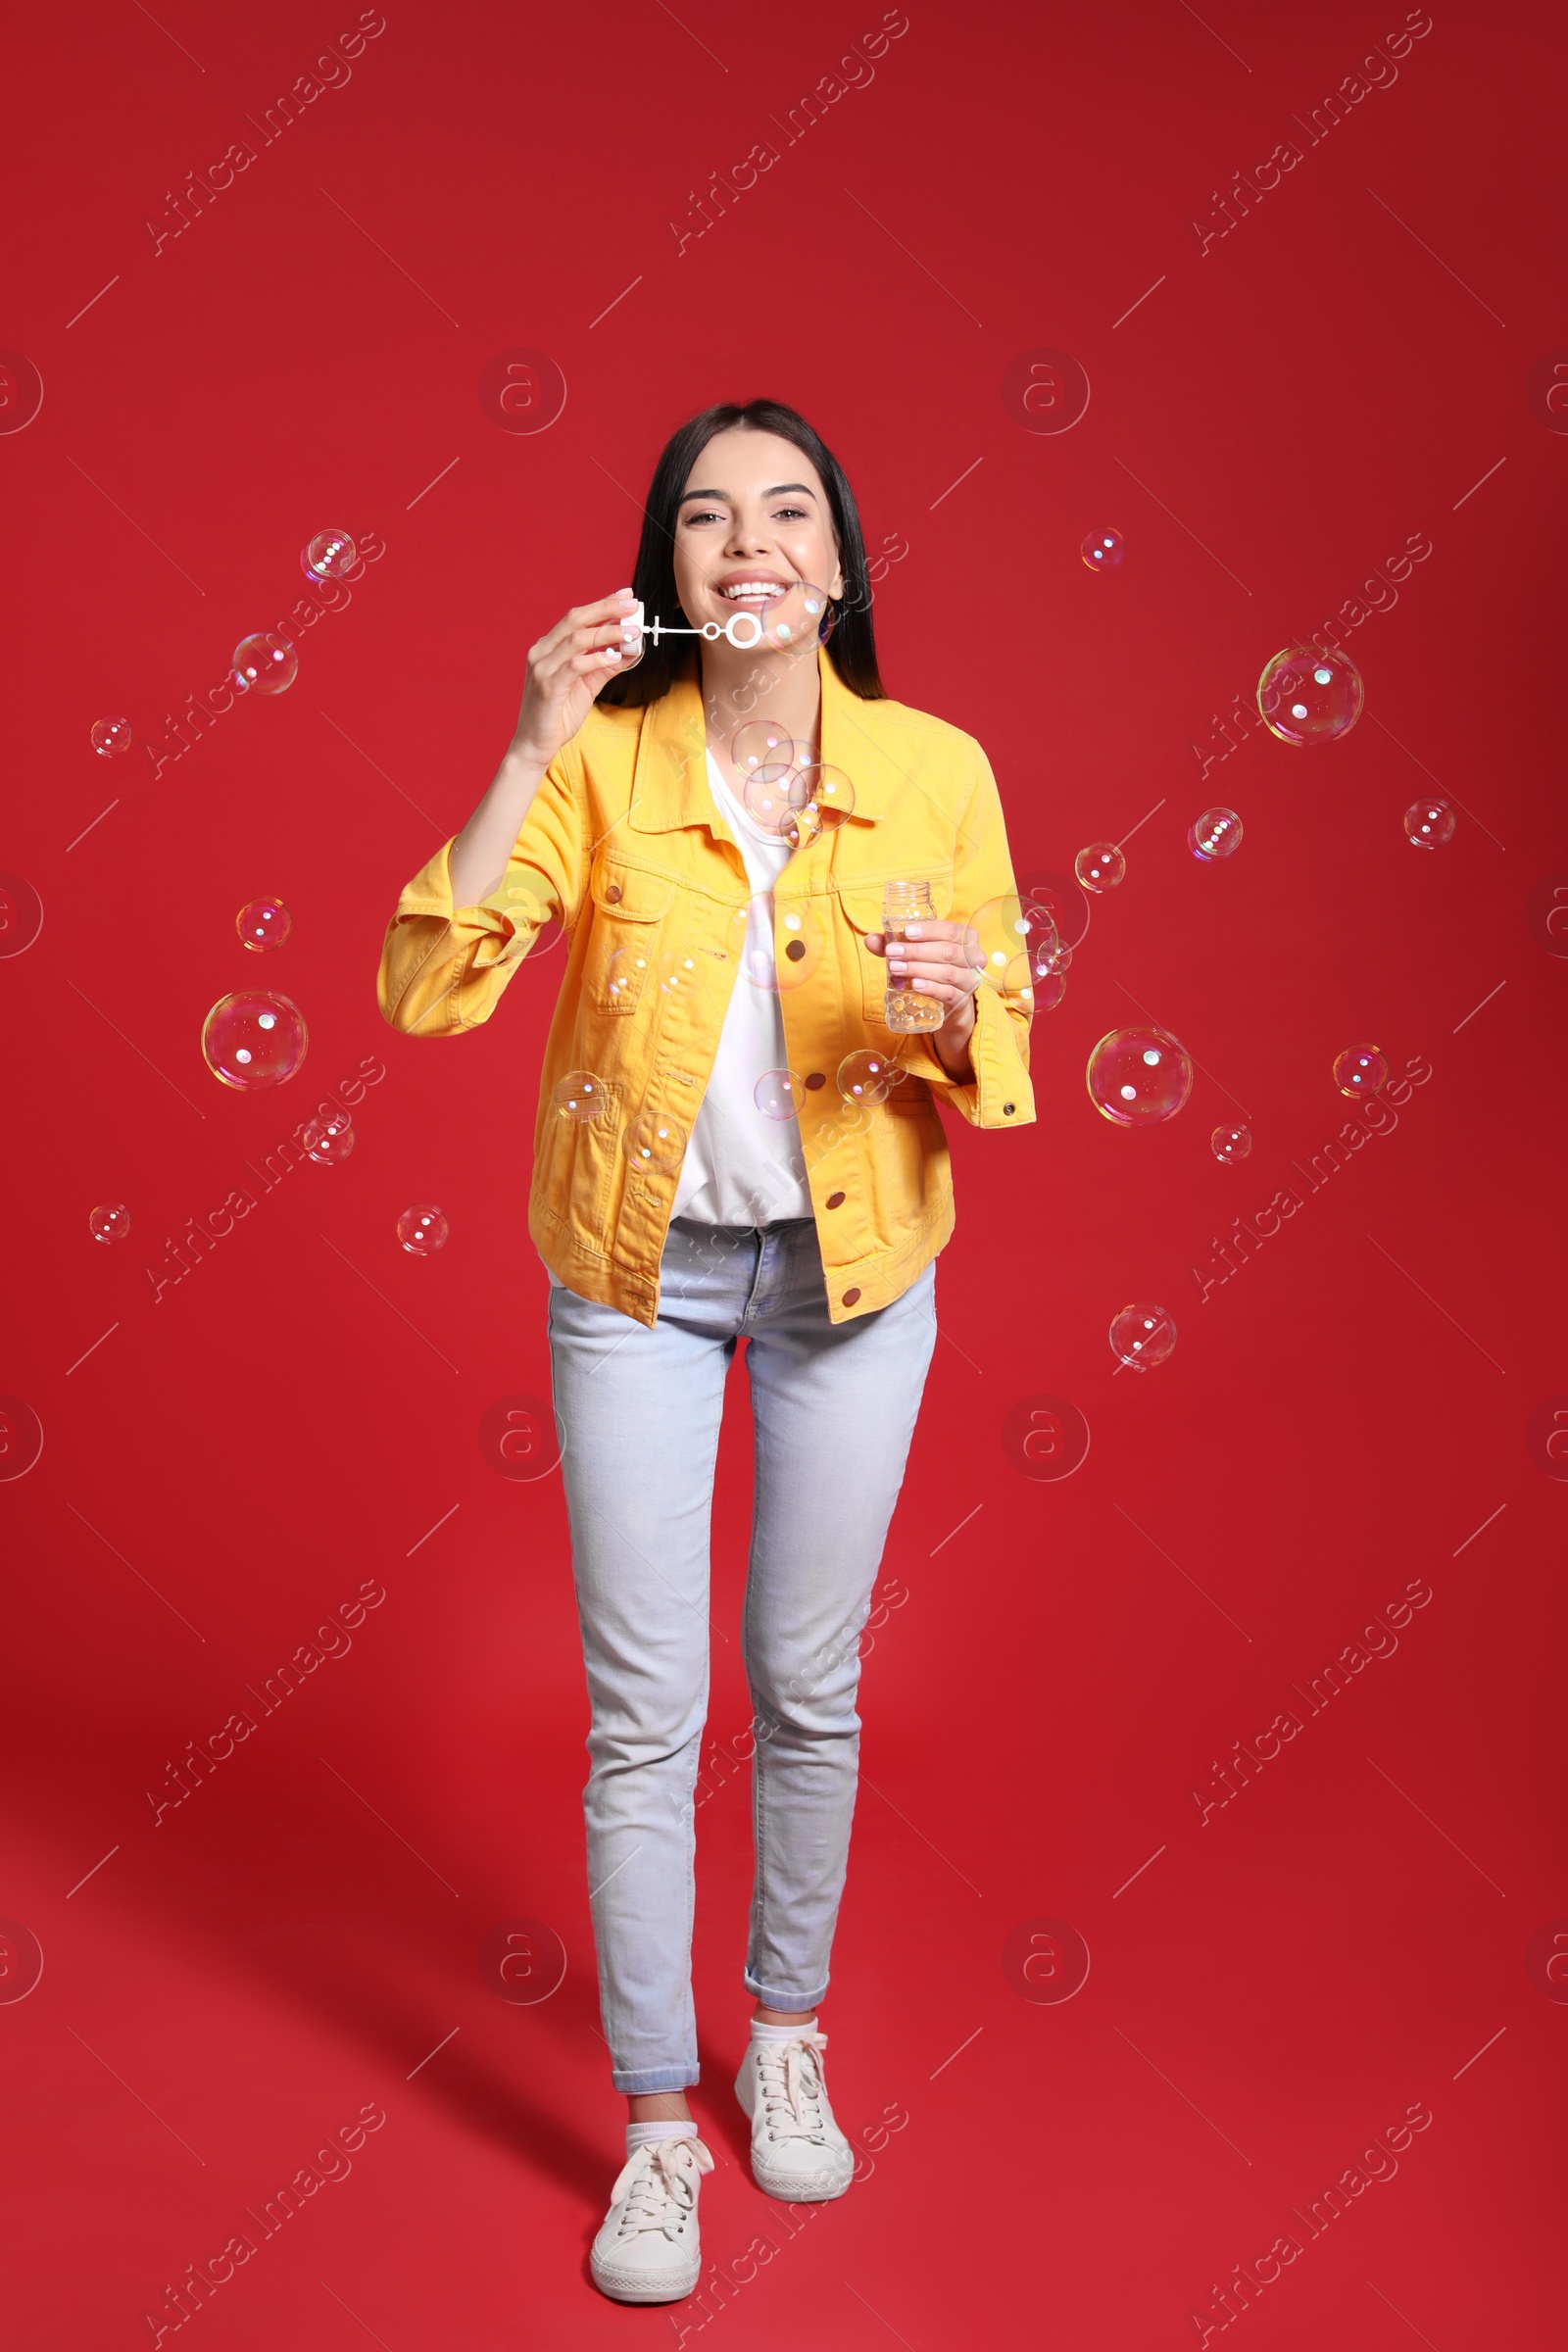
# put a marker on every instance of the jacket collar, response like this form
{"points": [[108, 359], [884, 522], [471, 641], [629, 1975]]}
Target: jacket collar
{"points": [[670, 787]]}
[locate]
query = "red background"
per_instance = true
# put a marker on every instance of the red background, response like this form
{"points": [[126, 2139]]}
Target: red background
{"points": [[1279, 416]]}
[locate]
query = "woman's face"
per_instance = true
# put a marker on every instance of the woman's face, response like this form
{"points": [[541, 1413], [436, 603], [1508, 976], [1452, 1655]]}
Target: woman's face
{"points": [[753, 518]]}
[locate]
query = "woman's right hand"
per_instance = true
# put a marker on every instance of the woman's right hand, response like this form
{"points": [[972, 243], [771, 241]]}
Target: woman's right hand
{"points": [[565, 670]]}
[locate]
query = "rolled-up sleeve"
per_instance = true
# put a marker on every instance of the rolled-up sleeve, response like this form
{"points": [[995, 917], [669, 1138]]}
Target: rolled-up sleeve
{"points": [[998, 1094], [443, 968]]}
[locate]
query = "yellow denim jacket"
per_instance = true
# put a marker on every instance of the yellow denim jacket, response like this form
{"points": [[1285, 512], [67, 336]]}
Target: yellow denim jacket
{"points": [[625, 848]]}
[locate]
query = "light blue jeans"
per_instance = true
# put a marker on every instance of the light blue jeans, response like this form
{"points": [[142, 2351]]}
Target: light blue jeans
{"points": [[637, 1412]]}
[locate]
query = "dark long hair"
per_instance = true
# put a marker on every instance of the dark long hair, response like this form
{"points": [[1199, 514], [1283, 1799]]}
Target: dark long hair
{"points": [[852, 648]]}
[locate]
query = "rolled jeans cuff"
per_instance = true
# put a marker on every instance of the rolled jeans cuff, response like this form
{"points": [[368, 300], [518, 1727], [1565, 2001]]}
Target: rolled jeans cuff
{"points": [[775, 1996], [641, 2082]]}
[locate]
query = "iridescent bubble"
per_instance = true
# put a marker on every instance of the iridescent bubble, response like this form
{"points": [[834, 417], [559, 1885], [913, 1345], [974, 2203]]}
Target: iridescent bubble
{"points": [[253, 1039], [328, 555], [265, 664], [580, 1094], [761, 744], [1230, 1144], [772, 795], [798, 942], [803, 615], [1360, 1070], [828, 788], [1102, 550], [422, 1230], [624, 974], [1308, 695], [1217, 833], [654, 1143], [865, 1077], [263, 925], [1429, 823], [1049, 992], [110, 1222], [110, 736], [1141, 1336], [1101, 866], [330, 1139], [1139, 1077], [804, 826], [779, 1094], [680, 973], [633, 640], [1012, 943]]}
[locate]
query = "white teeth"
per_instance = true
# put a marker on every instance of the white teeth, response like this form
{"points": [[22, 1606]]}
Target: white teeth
{"points": [[753, 588]]}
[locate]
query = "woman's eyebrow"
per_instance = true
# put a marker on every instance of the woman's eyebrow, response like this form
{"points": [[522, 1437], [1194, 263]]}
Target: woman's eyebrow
{"points": [[776, 492]]}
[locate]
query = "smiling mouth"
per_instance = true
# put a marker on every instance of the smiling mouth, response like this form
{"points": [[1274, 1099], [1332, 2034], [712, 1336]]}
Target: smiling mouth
{"points": [[754, 592]]}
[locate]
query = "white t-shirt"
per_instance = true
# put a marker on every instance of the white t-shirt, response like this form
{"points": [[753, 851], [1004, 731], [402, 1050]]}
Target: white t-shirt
{"points": [[743, 1167]]}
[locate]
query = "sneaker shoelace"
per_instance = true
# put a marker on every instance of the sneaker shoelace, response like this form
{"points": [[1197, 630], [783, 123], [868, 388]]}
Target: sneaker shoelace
{"points": [[661, 2191], [790, 2076]]}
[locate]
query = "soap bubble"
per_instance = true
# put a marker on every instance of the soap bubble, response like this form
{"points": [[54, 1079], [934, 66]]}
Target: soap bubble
{"points": [[1429, 825], [253, 1039], [1230, 1144], [1102, 550], [422, 1230], [654, 1143], [1012, 943], [761, 744], [1360, 1070], [110, 736], [1217, 833], [865, 1077], [580, 1094], [773, 793], [804, 826], [680, 974], [1101, 866], [624, 973], [328, 555], [828, 788], [263, 923], [1048, 993], [110, 1222], [265, 662], [330, 1139], [1141, 1336], [803, 615], [778, 1093], [1139, 1077], [782, 957], [1308, 695]]}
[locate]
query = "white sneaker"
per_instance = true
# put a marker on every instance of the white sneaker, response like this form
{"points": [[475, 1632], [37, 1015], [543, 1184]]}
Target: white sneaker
{"points": [[798, 2151], [648, 2249]]}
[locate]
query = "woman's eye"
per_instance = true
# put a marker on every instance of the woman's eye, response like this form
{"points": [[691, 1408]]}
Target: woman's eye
{"points": [[792, 513]]}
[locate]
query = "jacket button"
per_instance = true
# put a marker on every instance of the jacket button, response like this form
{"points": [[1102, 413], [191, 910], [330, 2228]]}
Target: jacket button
{"points": [[1007, 1109], [612, 889], [849, 1299], [795, 950], [817, 1077], [836, 1200]]}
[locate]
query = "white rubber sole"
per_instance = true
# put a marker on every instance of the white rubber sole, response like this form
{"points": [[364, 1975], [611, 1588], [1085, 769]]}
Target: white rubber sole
{"points": [[641, 2286]]}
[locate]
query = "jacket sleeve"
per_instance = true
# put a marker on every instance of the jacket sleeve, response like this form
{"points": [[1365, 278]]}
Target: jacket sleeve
{"points": [[1000, 1093], [443, 968]]}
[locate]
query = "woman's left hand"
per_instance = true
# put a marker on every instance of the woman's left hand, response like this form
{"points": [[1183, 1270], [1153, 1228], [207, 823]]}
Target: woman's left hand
{"points": [[931, 959]]}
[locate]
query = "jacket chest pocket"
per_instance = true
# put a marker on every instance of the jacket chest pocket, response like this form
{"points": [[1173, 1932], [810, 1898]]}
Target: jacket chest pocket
{"points": [[862, 908], [630, 906]]}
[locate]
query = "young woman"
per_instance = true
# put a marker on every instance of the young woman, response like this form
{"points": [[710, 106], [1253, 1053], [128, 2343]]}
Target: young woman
{"points": [[709, 792]]}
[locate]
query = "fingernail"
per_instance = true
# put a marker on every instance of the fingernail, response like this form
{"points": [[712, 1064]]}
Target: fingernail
{"points": [[629, 594], [611, 652], [912, 931]]}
